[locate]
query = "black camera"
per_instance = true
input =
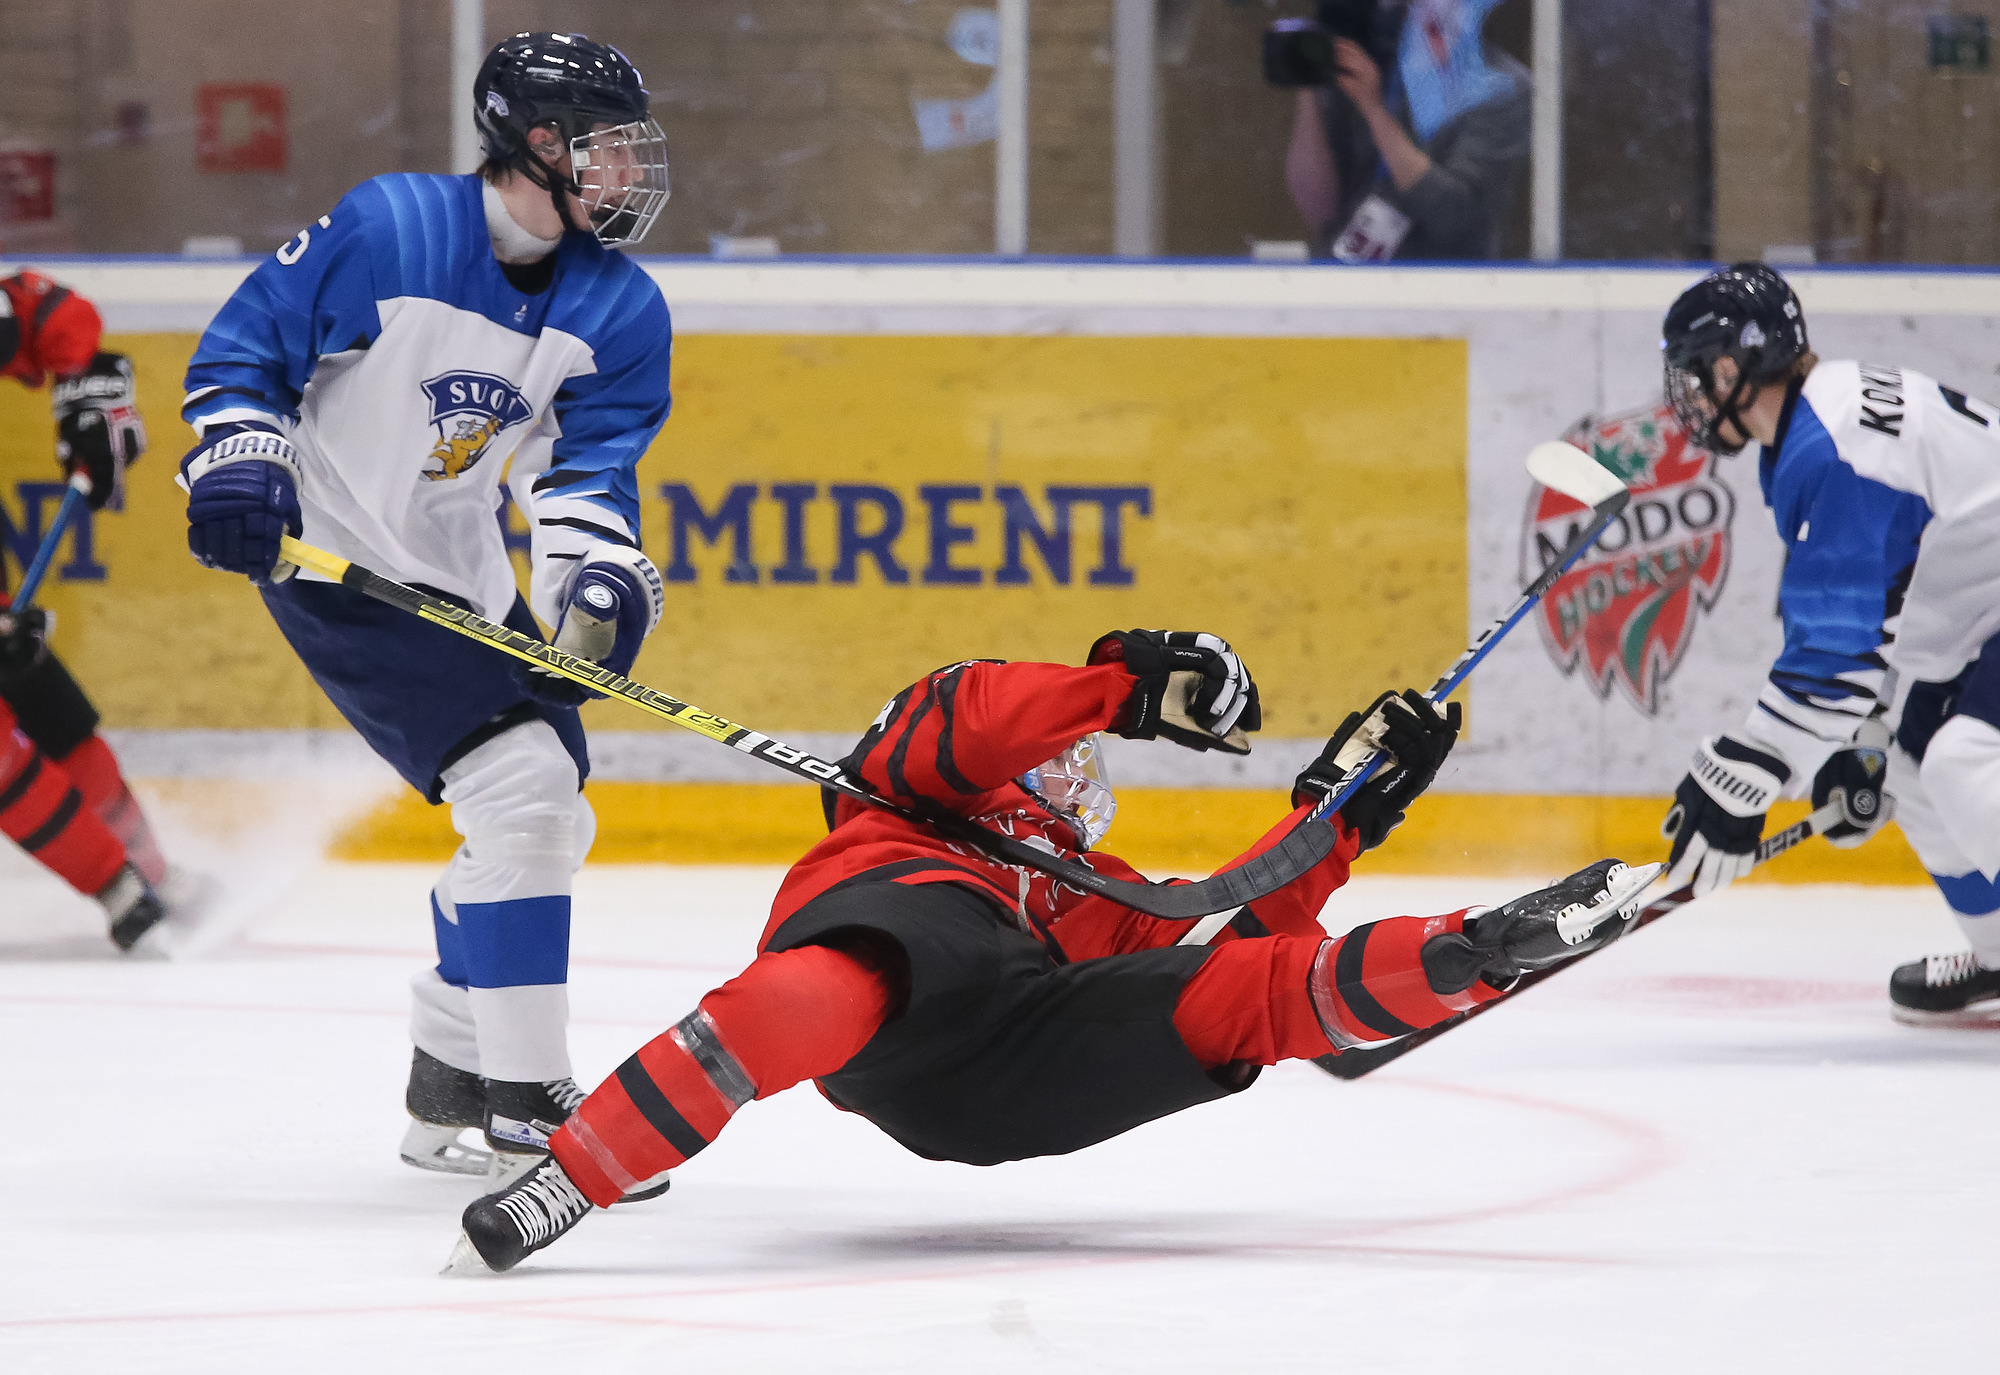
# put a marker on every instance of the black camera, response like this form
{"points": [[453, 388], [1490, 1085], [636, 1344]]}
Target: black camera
{"points": [[1299, 52]]}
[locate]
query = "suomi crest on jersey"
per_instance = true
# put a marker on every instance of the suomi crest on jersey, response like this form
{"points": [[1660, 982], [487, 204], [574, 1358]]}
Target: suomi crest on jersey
{"points": [[1626, 611], [469, 409]]}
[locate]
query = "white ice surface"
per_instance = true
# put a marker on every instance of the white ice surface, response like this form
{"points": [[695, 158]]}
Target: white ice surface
{"points": [[1708, 1149]]}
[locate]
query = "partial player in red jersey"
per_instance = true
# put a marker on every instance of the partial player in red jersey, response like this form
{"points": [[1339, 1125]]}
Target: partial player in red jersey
{"points": [[982, 1013], [62, 797]]}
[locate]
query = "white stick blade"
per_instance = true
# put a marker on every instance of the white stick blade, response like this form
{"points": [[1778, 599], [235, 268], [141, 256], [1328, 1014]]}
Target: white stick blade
{"points": [[1572, 472]]}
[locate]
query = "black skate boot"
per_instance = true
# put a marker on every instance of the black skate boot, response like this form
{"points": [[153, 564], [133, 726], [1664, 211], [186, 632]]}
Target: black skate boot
{"points": [[443, 1103], [505, 1228], [519, 1119], [1945, 990], [131, 906], [1581, 913]]}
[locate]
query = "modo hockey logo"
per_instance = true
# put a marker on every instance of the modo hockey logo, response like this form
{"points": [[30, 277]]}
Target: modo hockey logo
{"points": [[1626, 612], [469, 409]]}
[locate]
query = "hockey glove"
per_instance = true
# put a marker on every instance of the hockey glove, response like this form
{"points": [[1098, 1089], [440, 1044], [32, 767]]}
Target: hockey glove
{"points": [[242, 485], [98, 427], [1193, 689], [24, 643], [1591, 908], [1925, 711], [1415, 734], [613, 604], [1854, 776], [1718, 813]]}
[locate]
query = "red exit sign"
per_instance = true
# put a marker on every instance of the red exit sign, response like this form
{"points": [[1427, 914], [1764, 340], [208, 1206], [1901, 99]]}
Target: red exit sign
{"points": [[27, 187], [240, 127]]}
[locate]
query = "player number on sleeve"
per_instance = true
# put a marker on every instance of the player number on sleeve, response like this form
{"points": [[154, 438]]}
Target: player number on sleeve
{"points": [[296, 249]]}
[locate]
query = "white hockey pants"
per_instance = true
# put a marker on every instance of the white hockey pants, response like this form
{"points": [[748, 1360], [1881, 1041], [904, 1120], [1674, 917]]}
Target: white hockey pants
{"points": [[1949, 808], [497, 1004]]}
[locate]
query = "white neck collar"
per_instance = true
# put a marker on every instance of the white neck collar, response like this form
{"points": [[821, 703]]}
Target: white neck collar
{"points": [[511, 243]]}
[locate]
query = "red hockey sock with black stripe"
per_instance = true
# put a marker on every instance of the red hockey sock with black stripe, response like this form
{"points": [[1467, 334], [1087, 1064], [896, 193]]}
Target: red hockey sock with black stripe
{"points": [[45, 814], [93, 768], [1294, 998], [1370, 985], [791, 1016]]}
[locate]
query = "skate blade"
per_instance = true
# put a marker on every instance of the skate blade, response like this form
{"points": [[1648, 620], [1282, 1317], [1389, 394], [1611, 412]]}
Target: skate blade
{"points": [[465, 1260], [428, 1146], [1979, 1017], [1621, 896], [190, 928]]}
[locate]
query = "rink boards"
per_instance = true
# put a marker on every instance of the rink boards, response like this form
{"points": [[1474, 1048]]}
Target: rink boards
{"points": [[874, 468]]}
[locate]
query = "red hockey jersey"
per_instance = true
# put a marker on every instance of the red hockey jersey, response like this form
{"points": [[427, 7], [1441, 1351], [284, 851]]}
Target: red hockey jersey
{"points": [[52, 332], [958, 740]]}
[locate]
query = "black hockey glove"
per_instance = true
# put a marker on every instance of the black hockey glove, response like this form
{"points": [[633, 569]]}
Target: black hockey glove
{"points": [[1591, 908], [1416, 736], [1193, 688], [1718, 813], [24, 643], [1925, 710], [1854, 776], [98, 427]]}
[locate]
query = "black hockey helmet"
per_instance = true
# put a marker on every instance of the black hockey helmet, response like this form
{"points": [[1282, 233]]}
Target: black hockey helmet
{"points": [[574, 85], [1745, 312]]}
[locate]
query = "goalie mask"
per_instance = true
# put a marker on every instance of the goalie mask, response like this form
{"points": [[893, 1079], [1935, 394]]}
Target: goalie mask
{"points": [[1746, 313], [592, 97], [1075, 787]]}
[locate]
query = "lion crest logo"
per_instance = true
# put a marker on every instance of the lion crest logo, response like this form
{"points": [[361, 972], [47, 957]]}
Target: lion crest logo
{"points": [[1625, 613], [469, 410]]}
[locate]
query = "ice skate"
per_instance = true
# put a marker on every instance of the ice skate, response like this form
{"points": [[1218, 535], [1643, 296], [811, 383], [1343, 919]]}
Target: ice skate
{"points": [[519, 1119], [444, 1103], [1572, 917], [131, 907], [503, 1229], [1946, 990]]}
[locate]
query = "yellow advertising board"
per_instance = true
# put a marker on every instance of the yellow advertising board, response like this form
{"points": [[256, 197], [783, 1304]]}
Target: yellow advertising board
{"points": [[836, 515]]}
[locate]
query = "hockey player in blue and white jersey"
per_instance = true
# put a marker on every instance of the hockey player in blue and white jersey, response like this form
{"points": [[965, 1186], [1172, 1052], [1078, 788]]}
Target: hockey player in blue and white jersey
{"points": [[1886, 489], [369, 387]]}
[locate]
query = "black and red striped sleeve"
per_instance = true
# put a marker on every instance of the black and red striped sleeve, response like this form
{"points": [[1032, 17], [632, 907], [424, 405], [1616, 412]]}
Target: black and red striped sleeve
{"points": [[965, 730]]}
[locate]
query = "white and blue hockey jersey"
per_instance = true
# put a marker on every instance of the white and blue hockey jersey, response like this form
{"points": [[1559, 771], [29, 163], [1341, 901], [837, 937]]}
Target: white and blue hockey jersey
{"points": [[1882, 482], [410, 374]]}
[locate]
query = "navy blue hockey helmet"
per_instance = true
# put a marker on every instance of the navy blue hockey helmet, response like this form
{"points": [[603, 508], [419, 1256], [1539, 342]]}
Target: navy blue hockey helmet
{"points": [[594, 100], [1745, 312]]}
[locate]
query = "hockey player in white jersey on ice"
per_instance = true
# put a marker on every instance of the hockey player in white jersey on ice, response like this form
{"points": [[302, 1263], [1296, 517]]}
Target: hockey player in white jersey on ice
{"points": [[367, 387], [1885, 485]]}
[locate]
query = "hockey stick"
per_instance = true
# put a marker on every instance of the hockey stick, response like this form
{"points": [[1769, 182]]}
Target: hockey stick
{"points": [[1305, 845], [1352, 1064], [1566, 469], [1298, 852], [31, 580]]}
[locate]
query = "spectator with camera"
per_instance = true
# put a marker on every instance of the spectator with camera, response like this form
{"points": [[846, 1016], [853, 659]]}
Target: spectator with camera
{"points": [[1409, 134]]}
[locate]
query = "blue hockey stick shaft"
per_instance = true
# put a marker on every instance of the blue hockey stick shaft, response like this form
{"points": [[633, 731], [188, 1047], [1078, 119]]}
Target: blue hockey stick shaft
{"points": [[31, 581], [1601, 516]]}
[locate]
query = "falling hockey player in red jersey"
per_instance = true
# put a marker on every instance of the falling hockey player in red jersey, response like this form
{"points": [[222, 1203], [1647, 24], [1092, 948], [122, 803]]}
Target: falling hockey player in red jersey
{"points": [[981, 1013], [62, 796]]}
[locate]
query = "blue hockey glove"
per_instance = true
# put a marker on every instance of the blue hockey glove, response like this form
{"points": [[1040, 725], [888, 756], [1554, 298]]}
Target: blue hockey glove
{"points": [[613, 604], [242, 485]]}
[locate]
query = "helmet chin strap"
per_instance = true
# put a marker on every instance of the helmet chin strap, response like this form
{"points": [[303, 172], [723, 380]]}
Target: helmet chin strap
{"points": [[559, 187], [1728, 410]]}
